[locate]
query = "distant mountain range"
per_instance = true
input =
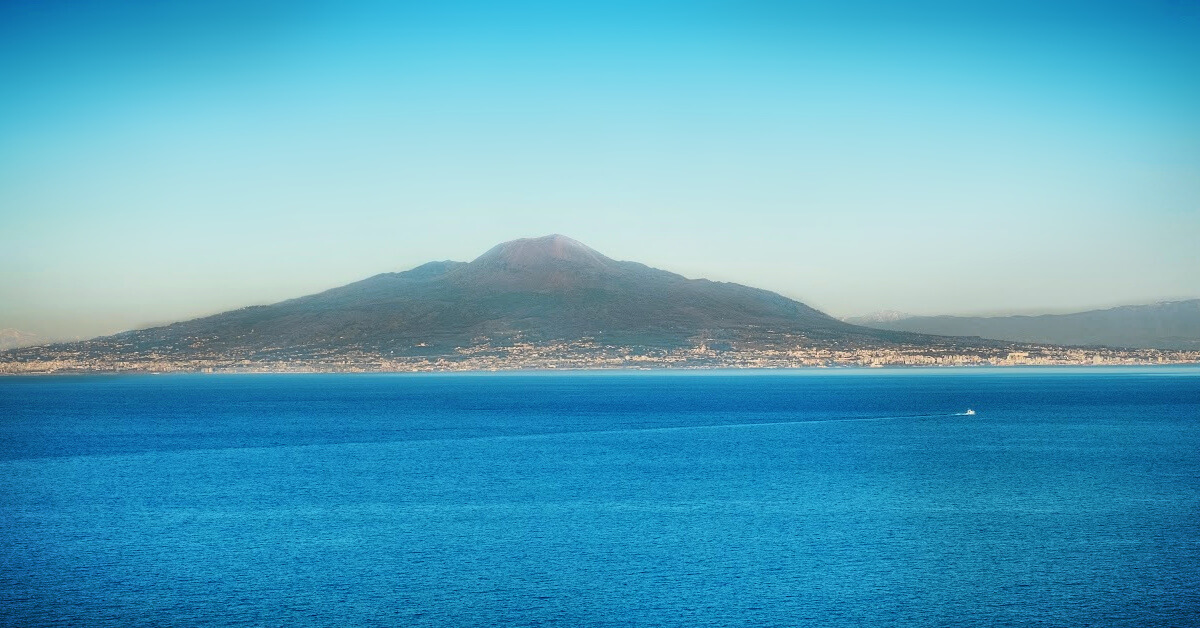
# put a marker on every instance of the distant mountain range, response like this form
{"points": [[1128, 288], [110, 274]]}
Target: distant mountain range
{"points": [[1173, 325], [14, 338], [531, 290]]}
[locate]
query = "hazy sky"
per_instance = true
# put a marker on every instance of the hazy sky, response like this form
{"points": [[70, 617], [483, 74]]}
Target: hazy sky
{"points": [[161, 160]]}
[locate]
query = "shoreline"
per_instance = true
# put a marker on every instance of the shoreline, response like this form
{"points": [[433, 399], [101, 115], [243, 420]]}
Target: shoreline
{"points": [[621, 370]]}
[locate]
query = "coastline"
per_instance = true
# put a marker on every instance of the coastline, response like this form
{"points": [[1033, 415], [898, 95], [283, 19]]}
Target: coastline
{"points": [[656, 361]]}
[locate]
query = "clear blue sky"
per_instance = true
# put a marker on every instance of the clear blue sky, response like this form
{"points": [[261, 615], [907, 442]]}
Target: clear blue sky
{"points": [[161, 160]]}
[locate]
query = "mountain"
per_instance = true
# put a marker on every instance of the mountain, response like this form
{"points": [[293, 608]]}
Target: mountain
{"points": [[538, 292], [13, 338], [1172, 325], [531, 290], [882, 316], [537, 303]]}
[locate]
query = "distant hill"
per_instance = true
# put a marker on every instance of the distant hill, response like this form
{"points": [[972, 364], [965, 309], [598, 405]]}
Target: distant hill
{"points": [[882, 316], [1166, 325], [14, 338], [529, 290]]}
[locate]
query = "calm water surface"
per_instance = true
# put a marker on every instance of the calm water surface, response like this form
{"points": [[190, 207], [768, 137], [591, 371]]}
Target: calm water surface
{"points": [[817, 498]]}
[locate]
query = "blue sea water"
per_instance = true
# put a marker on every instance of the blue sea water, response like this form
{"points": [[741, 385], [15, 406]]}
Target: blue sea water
{"points": [[815, 498]]}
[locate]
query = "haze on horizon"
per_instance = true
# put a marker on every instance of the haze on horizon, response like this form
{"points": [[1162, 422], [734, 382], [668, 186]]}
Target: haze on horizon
{"points": [[160, 161]]}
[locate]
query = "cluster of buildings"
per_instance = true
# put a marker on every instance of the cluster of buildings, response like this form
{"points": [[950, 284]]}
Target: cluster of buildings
{"points": [[582, 354]]}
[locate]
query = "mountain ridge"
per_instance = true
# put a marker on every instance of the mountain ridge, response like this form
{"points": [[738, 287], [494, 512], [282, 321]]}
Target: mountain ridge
{"points": [[11, 338], [1171, 325]]}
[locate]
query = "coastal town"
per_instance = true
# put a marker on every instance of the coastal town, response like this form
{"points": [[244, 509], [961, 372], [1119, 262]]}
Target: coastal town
{"points": [[585, 354]]}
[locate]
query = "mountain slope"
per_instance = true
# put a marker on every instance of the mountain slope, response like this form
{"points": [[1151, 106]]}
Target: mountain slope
{"points": [[541, 289], [1167, 325], [14, 338]]}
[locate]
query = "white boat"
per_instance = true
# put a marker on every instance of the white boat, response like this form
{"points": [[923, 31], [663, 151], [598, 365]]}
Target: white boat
{"points": [[969, 412]]}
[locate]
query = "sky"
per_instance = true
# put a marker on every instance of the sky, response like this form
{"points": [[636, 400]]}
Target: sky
{"points": [[162, 160]]}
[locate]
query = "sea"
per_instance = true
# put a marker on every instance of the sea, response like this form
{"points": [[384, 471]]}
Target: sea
{"points": [[841, 497]]}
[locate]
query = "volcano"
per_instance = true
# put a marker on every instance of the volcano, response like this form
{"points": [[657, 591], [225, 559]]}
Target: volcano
{"points": [[543, 289]]}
